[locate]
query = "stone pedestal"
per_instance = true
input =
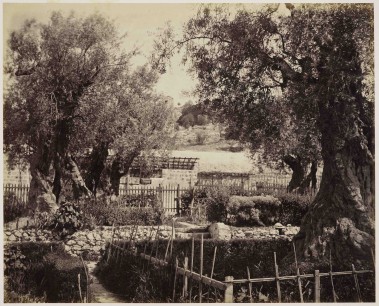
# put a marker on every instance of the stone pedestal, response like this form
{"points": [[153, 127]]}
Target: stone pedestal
{"points": [[220, 231]]}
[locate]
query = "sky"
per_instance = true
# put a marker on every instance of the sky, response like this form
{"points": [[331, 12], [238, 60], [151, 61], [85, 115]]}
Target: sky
{"points": [[139, 21]]}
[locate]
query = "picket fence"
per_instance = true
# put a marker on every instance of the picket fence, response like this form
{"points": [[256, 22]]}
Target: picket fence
{"points": [[189, 276], [168, 195]]}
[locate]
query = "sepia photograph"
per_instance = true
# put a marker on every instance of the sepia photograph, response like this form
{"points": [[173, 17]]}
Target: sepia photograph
{"points": [[188, 152]]}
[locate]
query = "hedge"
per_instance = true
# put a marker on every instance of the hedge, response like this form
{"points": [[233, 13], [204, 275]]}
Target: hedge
{"points": [[140, 281], [43, 269], [100, 213], [234, 207]]}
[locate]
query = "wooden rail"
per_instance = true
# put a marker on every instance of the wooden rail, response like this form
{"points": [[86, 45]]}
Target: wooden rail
{"points": [[294, 277], [227, 286]]}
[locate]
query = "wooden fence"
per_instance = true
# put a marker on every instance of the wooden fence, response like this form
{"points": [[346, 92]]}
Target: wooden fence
{"points": [[189, 277], [19, 192], [169, 196]]}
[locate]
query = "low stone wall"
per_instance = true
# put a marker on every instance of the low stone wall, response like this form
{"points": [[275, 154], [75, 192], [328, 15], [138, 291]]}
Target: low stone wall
{"points": [[268, 232], [93, 241]]}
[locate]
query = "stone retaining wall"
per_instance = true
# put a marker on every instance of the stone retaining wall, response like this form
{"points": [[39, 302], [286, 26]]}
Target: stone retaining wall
{"points": [[93, 241]]}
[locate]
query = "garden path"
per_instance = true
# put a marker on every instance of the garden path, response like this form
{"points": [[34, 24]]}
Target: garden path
{"points": [[99, 293]]}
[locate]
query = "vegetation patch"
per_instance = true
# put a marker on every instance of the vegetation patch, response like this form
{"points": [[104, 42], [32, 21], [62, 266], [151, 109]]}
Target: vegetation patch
{"points": [[13, 207], [129, 210], [235, 207], [42, 272], [142, 281]]}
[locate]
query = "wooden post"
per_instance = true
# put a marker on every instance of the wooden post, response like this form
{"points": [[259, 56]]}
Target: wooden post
{"points": [[178, 211], [110, 244], [213, 266], [277, 280], [176, 272], [359, 297], [298, 275], [317, 287], [331, 277], [173, 236], [185, 278], [192, 255], [166, 253], [228, 295], [80, 289], [201, 268], [250, 286]]}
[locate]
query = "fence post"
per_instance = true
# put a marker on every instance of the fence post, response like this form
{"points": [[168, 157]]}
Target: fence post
{"points": [[317, 286], [178, 212], [277, 280], [228, 295], [185, 278]]}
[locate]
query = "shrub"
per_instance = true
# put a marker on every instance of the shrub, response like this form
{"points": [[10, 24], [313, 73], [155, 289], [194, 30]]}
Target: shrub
{"points": [[187, 120], [293, 208], [201, 137], [42, 271], [202, 120], [232, 259], [218, 205], [256, 210], [99, 212], [67, 220], [152, 283], [210, 201], [13, 207]]}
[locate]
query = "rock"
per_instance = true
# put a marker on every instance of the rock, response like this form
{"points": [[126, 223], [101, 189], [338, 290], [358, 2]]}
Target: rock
{"points": [[12, 238], [76, 247], [96, 248], [17, 233], [220, 231], [289, 225], [249, 233], [70, 242]]}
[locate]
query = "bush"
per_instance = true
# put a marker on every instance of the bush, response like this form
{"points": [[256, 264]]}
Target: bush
{"points": [[13, 207], [141, 281], [100, 213], [201, 137], [210, 201], [132, 276], [202, 120], [293, 208], [67, 220], [42, 271], [187, 120], [256, 210], [217, 205]]}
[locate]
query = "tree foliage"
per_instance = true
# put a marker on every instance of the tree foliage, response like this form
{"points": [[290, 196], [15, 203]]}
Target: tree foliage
{"points": [[297, 81], [71, 87]]}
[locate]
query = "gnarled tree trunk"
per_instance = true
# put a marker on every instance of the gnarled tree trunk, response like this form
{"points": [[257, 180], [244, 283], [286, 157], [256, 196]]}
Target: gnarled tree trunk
{"points": [[341, 218], [96, 166], [120, 167], [300, 180], [41, 195]]}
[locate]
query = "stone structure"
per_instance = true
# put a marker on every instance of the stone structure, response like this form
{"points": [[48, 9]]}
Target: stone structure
{"points": [[93, 241]]}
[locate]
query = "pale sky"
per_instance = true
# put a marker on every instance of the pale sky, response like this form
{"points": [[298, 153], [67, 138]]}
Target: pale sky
{"points": [[139, 21]]}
